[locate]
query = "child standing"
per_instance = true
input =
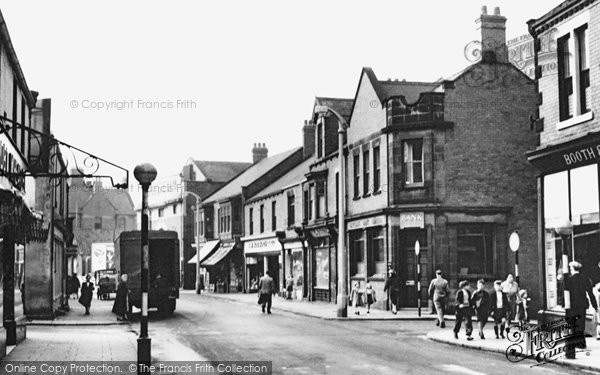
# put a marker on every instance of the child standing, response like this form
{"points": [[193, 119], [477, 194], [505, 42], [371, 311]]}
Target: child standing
{"points": [[500, 308], [354, 296], [481, 302], [370, 296], [522, 299]]}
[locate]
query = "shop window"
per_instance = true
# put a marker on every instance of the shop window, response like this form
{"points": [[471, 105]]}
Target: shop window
{"points": [[375, 252], [366, 170], [413, 161], [475, 249], [356, 162], [321, 268], [291, 210], [570, 195], [357, 255], [376, 170]]}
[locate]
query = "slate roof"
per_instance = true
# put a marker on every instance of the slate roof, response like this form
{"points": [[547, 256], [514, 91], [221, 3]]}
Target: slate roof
{"points": [[234, 187], [80, 195], [220, 171], [340, 105], [295, 176]]}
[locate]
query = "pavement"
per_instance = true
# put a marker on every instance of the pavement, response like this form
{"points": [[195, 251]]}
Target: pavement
{"points": [[589, 360], [100, 314]]}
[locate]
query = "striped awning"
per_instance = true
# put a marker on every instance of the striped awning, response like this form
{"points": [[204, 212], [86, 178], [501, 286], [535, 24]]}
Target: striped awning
{"points": [[219, 255]]}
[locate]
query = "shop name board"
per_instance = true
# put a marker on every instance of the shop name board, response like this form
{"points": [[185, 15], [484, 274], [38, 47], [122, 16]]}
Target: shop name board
{"points": [[580, 156], [412, 220], [11, 164], [369, 222], [256, 246]]}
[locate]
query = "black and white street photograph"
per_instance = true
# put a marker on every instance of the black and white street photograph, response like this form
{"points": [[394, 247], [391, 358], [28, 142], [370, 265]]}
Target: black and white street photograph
{"points": [[303, 187]]}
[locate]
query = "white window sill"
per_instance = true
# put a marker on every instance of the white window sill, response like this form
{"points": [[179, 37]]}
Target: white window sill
{"points": [[575, 120]]}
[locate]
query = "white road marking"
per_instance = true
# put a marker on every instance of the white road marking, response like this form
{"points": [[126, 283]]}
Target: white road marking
{"points": [[460, 370]]}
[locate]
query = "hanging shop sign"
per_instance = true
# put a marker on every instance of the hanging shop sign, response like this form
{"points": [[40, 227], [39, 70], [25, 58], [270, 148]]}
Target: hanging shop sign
{"points": [[11, 165]]}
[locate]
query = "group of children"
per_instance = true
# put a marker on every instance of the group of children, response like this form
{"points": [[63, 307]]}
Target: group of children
{"points": [[502, 306], [368, 297]]}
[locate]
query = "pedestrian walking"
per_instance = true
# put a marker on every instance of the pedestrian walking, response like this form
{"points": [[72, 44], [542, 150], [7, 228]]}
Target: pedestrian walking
{"points": [[369, 296], [463, 310], [511, 288], [289, 287], [438, 290], [266, 289], [355, 297], [480, 301], [579, 288], [87, 291], [393, 284], [121, 305], [500, 308]]}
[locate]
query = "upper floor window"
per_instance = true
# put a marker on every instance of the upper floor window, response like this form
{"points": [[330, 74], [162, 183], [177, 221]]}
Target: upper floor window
{"points": [[366, 170], [305, 205], [376, 169], [98, 222], [262, 218], [273, 215], [201, 222], [161, 212], [311, 202], [573, 73], [413, 161], [291, 210], [224, 214], [121, 223], [356, 163], [175, 209], [251, 220], [320, 200], [320, 139]]}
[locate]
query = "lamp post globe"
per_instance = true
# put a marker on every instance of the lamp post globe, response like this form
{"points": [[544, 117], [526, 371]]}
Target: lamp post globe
{"points": [[564, 228], [145, 173]]}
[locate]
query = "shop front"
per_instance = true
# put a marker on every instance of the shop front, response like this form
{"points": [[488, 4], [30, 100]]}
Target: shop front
{"points": [[224, 268], [368, 255], [322, 263], [262, 255], [294, 267], [569, 196]]}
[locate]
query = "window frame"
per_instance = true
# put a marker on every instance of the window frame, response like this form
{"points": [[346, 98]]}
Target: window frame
{"points": [[376, 169], [366, 159], [273, 215], [409, 152], [251, 220], [356, 167]]}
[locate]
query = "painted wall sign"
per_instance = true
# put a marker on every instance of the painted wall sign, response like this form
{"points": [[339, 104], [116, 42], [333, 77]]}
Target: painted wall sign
{"points": [[11, 163], [262, 245], [368, 222], [412, 220]]}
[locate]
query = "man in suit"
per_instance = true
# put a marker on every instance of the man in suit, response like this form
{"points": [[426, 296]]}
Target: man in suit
{"points": [[87, 289], [266, 289], [579, 288]]}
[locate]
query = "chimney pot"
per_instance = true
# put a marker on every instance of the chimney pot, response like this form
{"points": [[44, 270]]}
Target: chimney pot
{"points": [[496, 11], [484, 9]]}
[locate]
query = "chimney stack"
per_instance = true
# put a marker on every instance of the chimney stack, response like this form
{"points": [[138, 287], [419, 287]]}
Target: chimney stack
{"points": [[493, 36], [259, 152], [308, 132]]}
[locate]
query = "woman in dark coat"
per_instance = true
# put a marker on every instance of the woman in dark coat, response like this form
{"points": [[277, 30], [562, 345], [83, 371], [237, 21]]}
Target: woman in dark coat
{"points": [[87, 289], [121, 305]]}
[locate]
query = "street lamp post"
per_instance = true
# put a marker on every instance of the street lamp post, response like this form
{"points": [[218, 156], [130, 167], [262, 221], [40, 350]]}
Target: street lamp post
{"points": [[418, 254], [514, 244], [342, 295], [145, 174], [564, 230]]}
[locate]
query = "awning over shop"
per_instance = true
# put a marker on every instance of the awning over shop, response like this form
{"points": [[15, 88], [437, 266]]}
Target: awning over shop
{"points": [[219, 254], [205, 250]]}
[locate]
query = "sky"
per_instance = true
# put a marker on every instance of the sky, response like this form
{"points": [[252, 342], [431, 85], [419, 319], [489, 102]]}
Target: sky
{"points": [[162, 81]]}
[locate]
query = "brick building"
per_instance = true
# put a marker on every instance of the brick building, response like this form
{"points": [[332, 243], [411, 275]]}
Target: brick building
{"points": [[223, 222], [443, 163], [569, 147]]}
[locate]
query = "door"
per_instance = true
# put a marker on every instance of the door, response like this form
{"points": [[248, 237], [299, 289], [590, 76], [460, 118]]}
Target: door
{"points": [[408, 266], [273, 267]]}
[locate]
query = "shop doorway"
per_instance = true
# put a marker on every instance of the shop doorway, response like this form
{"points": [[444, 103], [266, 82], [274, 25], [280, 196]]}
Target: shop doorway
{"points": [[273, 267], [406, 263]]}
